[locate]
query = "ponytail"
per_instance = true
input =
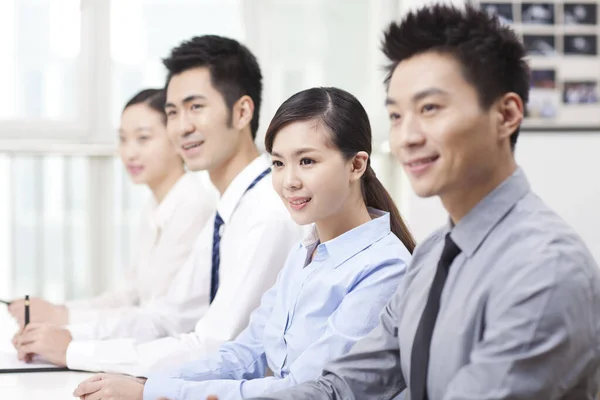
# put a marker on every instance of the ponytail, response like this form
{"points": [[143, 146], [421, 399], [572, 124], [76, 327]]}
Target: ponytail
{"points": [[376, 196]]}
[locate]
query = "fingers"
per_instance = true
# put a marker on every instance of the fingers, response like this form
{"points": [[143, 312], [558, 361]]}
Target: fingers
{"points": [[15, 339], [98, 395], [90, 385], [25, 357], [86, 389], [27, 338], [16, 307], [33, 326]]}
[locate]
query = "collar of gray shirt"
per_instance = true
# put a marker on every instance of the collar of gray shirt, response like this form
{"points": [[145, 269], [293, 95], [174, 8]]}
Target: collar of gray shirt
{"points": [[472, 230]]}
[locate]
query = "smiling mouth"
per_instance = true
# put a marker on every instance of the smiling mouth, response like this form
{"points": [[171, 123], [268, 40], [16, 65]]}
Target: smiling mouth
{"points": [[189, 146], [422, 161], [299, 202]]}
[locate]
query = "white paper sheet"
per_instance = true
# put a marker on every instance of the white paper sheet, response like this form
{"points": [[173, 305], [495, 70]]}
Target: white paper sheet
{"points": [[8, 354]]}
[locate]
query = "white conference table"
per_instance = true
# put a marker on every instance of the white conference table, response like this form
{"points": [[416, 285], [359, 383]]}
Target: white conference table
{"points": [[33, 385], [40, 385]]}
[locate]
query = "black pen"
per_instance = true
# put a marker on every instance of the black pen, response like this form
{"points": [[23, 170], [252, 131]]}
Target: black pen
{"points": [[26, 310], [5, 302]]}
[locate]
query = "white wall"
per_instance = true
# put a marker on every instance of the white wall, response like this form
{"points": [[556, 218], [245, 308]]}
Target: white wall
{"points": [[563, 170]]}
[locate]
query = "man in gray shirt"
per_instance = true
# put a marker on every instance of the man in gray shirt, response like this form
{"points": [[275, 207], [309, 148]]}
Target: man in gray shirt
{"points": [[504, 301]]}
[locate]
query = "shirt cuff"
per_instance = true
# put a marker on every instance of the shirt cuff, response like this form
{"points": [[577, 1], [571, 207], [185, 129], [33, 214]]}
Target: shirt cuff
{"points": [[157, 387], [79, 354]]}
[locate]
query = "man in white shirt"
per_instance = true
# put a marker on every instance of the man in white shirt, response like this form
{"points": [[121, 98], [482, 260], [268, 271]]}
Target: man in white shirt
{"points": [[213, 100]]}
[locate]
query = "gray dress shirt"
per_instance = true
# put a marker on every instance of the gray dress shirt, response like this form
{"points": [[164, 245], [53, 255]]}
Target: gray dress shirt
{"points": [[519, 315]]}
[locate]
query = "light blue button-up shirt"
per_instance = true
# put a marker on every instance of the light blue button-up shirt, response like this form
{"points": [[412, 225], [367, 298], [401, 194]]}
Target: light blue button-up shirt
{"points": [[315, 312]]}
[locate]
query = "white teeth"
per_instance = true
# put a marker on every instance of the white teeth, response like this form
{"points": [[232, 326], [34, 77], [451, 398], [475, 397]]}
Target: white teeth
{"points": [[191, 145], [298, 202]]}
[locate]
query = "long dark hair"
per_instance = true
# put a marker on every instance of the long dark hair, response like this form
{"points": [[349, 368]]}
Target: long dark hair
{"points": [[350, 129], [153, 98]]}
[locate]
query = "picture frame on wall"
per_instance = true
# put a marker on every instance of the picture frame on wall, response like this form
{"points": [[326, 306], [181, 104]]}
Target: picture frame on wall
{"points": [[537, 13], [580, 45], [540, 45], [580, 14], [504, 11]]}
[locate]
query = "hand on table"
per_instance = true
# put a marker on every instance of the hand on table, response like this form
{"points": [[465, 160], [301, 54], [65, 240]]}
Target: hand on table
{"points": [[48, 341], [39, 311], [110, 387]]}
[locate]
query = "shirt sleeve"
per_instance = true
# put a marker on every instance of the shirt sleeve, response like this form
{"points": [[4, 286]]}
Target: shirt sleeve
{"points": [[243, 358], [258, 263], [540, 336], [370, 370], [175, 306], [353, 319]]}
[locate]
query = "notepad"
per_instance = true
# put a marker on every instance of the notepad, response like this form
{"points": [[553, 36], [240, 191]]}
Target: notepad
{"points": [[9, 363]]}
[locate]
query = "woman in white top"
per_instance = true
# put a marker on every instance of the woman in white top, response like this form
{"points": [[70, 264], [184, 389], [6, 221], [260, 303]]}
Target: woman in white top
{"points": [[144, 306]]}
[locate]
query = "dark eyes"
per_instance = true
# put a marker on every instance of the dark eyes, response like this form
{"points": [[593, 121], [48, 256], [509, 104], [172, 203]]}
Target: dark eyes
{"points": [[303, 161], [429, 107], [306, 161]]}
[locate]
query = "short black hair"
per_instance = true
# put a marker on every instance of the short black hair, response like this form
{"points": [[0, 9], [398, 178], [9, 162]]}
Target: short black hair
{"points": [[491, 54], [234, 70], [153, 98]]}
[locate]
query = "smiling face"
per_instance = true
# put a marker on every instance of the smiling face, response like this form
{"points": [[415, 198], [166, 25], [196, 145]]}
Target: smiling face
{"points": [[144, 146], [312, 178], [199, 121], [444, 139]]}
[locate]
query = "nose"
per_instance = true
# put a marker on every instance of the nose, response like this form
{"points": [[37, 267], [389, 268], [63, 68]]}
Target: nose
{"points": [[291, 181], [407, 135], [129, 152], [182, 126]]}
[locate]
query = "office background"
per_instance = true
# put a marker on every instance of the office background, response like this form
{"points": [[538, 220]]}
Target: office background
{"points": [[67, 210]]}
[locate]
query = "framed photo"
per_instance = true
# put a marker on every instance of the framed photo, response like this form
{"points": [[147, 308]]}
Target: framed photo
{"points": [[540, 45], [543, 104], [580, 92], [580, 45], [537, 13], [580, 14], [543, 78], [504, 11]]}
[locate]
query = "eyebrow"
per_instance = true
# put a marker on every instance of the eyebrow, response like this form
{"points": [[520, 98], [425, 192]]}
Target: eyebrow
{"points": [[297, 153], [140, 129], [187, 99], [419, 95]]}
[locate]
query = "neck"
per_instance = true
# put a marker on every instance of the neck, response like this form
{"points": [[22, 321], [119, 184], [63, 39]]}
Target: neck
{"points": [[352, 215], [161, 188], [224, 174], [462, 200]]}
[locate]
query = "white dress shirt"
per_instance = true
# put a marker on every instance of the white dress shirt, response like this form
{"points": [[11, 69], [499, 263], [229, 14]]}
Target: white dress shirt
{"points": [[143, 307], [258, 233]]}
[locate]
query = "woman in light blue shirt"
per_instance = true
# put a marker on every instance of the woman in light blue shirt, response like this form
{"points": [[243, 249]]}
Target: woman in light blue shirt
{"points": [[334, 284]]}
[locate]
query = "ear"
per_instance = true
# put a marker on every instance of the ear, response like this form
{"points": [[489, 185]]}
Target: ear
{"points": [[358, 165], [242, 112], [510, 115]]}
